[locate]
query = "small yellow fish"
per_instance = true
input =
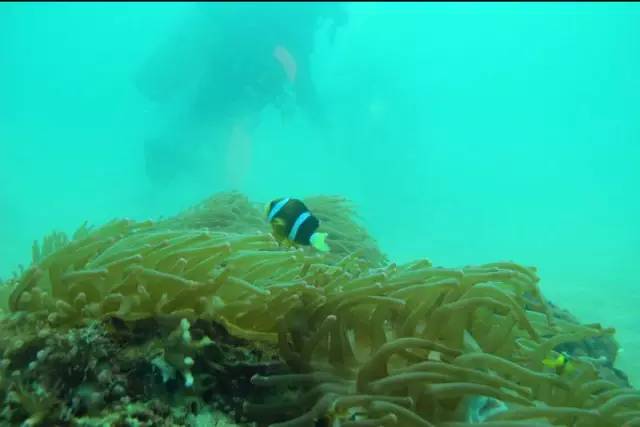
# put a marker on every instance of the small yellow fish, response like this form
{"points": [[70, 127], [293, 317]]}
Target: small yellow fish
{"points": [[562, 364], [291, 221]]}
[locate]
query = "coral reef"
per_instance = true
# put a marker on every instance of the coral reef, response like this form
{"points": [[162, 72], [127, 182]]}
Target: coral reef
{"points": [[203, 319]]}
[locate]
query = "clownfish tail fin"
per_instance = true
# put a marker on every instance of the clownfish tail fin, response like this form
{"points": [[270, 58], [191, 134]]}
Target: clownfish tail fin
{"points": [[317, 240]]}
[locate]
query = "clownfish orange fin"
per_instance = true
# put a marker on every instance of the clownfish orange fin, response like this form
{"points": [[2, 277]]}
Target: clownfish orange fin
{"points": [[278, 223]]}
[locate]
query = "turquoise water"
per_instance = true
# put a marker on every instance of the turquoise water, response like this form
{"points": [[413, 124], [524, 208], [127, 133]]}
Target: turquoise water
{"points": [[465, 133]]}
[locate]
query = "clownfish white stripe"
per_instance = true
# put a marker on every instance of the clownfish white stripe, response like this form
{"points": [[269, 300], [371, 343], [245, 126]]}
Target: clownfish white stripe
{"points": [[296, 225], [277, 208]]}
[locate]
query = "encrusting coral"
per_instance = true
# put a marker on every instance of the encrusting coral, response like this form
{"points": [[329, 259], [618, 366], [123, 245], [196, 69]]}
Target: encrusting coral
{"points": [[205, 315]]}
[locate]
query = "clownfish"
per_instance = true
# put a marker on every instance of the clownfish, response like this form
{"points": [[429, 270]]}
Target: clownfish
{"points": [[291, 221], [562, 364]]}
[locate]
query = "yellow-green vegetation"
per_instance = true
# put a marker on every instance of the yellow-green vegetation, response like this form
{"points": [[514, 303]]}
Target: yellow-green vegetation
{"points": [[340, 339]]}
